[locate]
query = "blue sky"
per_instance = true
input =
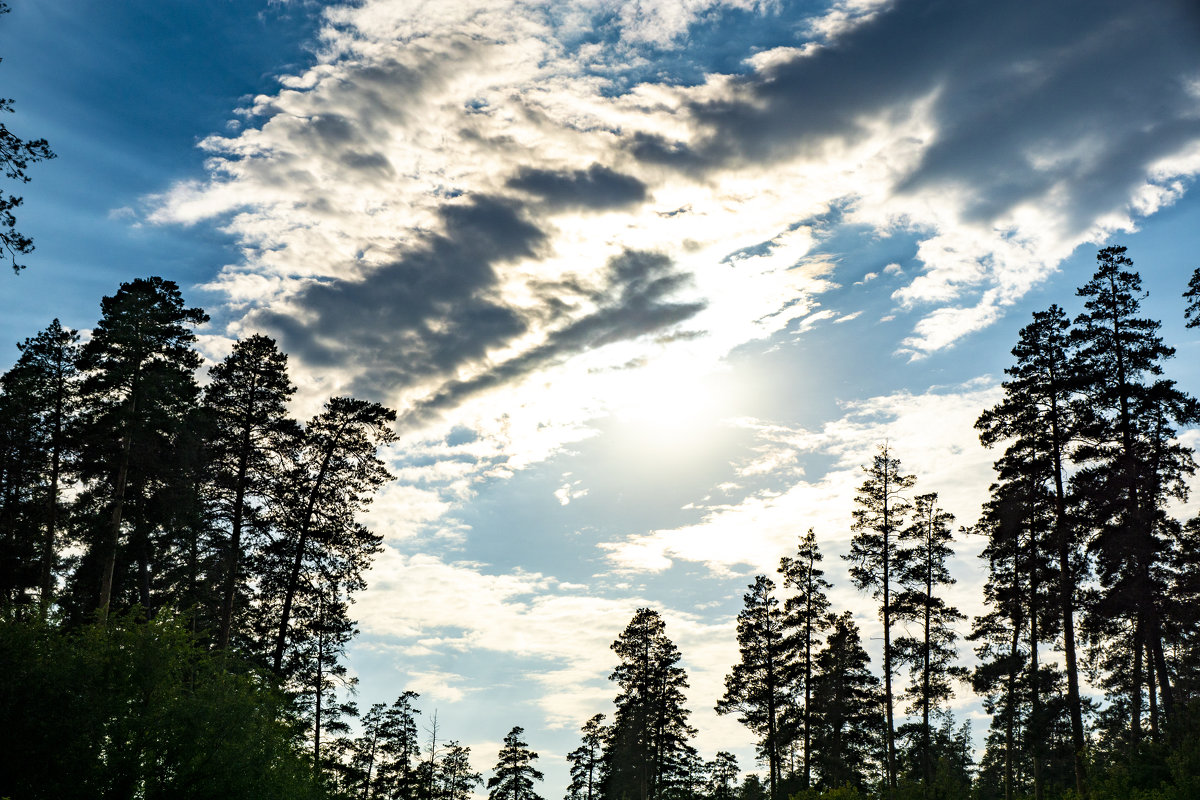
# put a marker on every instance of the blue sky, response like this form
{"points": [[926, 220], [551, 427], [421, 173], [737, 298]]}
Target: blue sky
{"points": [[647, 282]]}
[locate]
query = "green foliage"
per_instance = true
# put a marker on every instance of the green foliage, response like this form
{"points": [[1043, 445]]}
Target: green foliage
{"points": [[136, 709], [836, 793]]}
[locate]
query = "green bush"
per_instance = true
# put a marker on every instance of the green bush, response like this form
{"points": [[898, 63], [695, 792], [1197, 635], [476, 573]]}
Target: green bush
{"points": [[136, 709]]}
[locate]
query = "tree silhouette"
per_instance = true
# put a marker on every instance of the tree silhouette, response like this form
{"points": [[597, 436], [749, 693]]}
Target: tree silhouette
{"points": [[138, 388], [931, 654], [759, 687], [251, 434], [514, 773], [587, 761], [806, 614], [846, 700], [878, 520], [650, 731]]}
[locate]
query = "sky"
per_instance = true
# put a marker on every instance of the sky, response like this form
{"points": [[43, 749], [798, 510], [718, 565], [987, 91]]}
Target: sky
{"points": [[647, 282]]}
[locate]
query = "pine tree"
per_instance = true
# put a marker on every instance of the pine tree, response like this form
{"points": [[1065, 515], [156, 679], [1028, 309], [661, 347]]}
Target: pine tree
{"points": [[650, 731], [931, 654], [999, 633], [401, 750], [723, 774], [846, 706], [1039, 414], [759, 687], [1192, 295], [514, 773], [806, 616], [878, 520], [455, 779], [16, 156], [336, 472], [251, 433], [1133, 465], [587, 761], [138, 388], [38, 403]]}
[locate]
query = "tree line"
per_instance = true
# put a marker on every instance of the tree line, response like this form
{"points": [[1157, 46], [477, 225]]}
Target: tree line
{"points": [[179, 558], [1091, 580]]}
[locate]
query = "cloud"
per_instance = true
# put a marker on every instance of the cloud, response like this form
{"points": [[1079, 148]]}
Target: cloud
{"points": [[567, 632], [634, 302], [471, 210], [1004, 138], [597, 187]]}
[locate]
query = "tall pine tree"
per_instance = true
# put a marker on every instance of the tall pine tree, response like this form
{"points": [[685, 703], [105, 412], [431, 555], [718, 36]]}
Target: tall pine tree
{"points": [[138, 389], [931, 653], [846, 709], [883, 508], [1132, 467], [806, 616], [759, 688], [650, 732], [514, 773]]}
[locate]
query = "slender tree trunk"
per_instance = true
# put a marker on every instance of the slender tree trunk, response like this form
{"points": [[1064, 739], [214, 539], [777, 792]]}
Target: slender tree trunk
{"points": [[1066, 601], [114, 523], [143, 555], [233, 557], [298, 561], [1135, 693], [887, 639], [320, 690], [47, 577], [1152, 698], [1035, 696], [808, 632], [926, 771], [366, 792]]}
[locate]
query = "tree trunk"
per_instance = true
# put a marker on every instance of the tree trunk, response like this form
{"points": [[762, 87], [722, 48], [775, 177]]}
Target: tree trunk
{"points": [[1066, 600], [294, 575], [114, 524], [47, 577]]}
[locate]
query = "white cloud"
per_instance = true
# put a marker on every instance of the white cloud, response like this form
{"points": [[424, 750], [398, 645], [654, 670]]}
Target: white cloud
{"points": [[932, 433]]}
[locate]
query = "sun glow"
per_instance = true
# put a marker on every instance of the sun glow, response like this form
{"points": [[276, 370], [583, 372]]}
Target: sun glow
{"points": [[670, 399]]}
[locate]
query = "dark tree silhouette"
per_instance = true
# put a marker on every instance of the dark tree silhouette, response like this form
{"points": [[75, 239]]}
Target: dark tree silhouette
{"points": [[930, 654], [878, 520], [38, 403], [723, 775], [650, 731], [1039, 416], [587, 761], [514, 773], [455, 779], [759, 687], [846, 706], [138, 389], [1133, 465], [251, 435], [335, 477], [806, 615]]}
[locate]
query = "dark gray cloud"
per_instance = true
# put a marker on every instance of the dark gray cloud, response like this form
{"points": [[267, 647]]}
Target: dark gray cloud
{"points": [[635, 301], [1076, 96], [434, 310], [597, 187], [426, 313]]}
